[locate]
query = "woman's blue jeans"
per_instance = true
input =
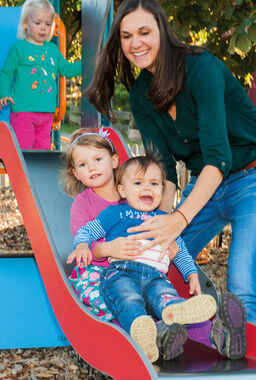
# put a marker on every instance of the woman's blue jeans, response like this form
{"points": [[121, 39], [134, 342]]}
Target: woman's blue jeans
{"points": [[233, 202], [131, 289]]}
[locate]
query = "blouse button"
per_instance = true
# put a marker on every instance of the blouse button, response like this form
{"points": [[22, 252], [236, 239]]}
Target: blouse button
{"points": [[185, 140], [223, 163]]}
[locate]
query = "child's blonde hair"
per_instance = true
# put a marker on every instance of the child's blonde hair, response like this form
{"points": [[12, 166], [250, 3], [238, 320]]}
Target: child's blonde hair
{"points": [[27, 7], [70, 184]]}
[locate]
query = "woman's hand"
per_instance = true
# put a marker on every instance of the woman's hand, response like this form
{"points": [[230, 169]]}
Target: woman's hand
{"points": [[194, 284], [164, 229], [3, 101], [122, 248], [81, 254]]}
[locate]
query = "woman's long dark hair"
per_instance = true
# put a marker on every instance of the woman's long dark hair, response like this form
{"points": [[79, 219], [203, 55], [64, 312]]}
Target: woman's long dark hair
{"points": [[112, 64]]}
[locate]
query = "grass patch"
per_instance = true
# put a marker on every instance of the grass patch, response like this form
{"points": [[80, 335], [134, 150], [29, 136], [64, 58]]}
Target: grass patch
{"points": [[68, 129]]}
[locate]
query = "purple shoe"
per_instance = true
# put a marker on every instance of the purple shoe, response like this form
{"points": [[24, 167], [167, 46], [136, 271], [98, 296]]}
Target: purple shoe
{"points": [[228, 327], [170, 339]]}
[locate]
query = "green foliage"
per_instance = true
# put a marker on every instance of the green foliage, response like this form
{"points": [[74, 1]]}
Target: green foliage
{"points": [[11, 3], [121, 98], [71, 15], [228, 28]]}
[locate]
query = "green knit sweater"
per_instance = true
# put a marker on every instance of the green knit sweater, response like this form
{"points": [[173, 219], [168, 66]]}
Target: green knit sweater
{"points": [[215, 122], [29, 76]]}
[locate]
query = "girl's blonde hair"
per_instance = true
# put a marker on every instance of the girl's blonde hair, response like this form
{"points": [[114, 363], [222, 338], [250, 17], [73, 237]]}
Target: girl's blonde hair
{"points": [[27, 7], [70, 184]]}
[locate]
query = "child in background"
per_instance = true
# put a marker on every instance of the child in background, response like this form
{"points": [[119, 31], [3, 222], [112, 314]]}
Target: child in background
{"points": [[34, 63], [137, 290], [91, 165]]}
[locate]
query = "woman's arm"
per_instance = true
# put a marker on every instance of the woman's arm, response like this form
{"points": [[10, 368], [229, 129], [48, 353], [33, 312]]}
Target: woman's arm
{"points": [[166, 228], [168, 197], [206, 184]]}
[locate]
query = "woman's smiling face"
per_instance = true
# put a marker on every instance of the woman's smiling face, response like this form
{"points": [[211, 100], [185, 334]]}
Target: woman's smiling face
{"points": [[140, 39]]}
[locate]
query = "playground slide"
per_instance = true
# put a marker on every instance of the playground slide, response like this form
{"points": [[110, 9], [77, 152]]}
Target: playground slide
{"points": [[45, 210]]}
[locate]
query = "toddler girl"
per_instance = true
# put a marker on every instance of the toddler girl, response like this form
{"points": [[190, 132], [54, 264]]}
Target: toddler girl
{"points": [[91, 164], [28, 77]]}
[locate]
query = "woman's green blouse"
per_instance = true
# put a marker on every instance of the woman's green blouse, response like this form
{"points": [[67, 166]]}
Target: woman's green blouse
{"points": [[215, 120]]}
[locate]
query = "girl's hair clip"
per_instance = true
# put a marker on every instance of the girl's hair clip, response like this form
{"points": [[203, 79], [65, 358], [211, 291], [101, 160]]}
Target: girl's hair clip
{"points": [[101, 133]]}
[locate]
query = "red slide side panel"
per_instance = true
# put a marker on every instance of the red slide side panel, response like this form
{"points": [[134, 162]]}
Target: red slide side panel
{"points": [[100, 344]]}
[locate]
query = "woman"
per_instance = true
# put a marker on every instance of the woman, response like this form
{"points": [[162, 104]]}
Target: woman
{"points": [[191, 107]]}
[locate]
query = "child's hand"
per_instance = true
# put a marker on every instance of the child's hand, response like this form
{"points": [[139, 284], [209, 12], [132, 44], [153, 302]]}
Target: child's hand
{"points": [[81, 254], [121, 248], [124, 248], [194, 284], [3, 101], [172, 251]]}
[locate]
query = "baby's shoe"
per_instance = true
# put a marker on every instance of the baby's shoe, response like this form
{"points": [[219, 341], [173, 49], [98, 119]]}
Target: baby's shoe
{"points": [[194, 310], [170, 339], [228, 332], [143, 331]]}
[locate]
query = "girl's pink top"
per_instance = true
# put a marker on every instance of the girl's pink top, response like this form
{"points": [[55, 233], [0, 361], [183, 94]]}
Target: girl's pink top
{"points": [[86, 207]]}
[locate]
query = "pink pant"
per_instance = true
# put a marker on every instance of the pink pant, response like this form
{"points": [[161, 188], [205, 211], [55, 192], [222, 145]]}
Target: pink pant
{"points": [[33, 129]]}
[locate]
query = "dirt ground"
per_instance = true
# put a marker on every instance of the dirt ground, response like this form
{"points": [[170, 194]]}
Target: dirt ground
{"points": [[65, 363]]}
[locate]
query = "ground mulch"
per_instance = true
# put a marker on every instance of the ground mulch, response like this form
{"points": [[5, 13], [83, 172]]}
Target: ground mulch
{"points": [[63, 363]]}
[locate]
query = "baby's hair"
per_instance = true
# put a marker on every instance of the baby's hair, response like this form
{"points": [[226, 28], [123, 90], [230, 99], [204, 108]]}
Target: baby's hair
{"points": [[29, 6], [70, 184], [143, 162]]}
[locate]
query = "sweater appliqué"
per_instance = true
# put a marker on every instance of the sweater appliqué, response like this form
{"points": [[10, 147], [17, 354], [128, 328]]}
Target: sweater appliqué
{"points": [[43, 74], [134, 214], [34, 85]]}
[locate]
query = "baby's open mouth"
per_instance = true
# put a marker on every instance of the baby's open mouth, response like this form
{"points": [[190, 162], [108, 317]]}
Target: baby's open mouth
{"points": [[147, 199]]}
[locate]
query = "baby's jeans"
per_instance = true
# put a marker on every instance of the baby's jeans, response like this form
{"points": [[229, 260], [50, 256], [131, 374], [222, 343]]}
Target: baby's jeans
{"points": [[131, 289], [233, 202], [32, 129]]}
